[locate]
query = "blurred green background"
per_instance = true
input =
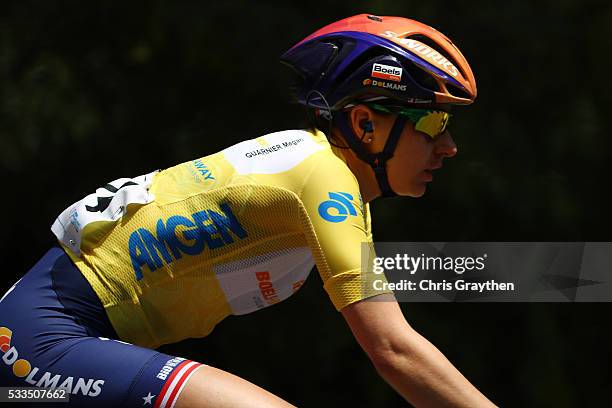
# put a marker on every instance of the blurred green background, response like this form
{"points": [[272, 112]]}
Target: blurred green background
{"points": [[97, 90]]}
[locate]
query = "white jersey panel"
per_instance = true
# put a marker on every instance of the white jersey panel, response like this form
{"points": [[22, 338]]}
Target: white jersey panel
{"points": [[254, 283], [273, 153]]}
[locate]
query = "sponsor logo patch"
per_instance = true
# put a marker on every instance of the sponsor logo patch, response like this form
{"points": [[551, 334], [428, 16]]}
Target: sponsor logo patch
{"points": [[387, 72], [338, 207], [384, 84]]}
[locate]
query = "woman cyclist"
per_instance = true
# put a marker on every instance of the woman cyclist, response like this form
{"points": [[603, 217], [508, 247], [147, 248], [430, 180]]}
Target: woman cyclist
{"points": [[158, 258]]}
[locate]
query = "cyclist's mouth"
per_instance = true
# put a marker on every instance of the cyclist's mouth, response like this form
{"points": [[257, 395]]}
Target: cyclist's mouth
{"points": [[429, 172]]}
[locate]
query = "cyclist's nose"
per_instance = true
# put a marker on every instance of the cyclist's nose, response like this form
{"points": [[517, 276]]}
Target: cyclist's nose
{"points": [[445, 145]]}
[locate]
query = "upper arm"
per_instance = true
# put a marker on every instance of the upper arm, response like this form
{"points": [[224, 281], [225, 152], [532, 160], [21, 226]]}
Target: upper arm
{"points": [[378, 325]]}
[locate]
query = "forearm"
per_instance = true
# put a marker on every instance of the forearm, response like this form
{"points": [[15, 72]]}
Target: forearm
{"points": [[423, 375]]}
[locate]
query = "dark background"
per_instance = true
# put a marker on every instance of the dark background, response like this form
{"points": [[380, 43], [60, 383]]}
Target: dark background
{"points": [[97, 90]]}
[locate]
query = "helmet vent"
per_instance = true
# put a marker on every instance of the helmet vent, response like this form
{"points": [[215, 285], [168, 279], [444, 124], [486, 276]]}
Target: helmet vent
{"points": [[456, 91], [420, 76], [431, 43]]}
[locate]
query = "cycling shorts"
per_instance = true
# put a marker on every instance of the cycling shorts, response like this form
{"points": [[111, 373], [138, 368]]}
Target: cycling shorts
{"points": [[54, 333]]}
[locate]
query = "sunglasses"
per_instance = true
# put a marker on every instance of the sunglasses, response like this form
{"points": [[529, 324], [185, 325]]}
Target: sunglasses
{"points": [[429, 121]]}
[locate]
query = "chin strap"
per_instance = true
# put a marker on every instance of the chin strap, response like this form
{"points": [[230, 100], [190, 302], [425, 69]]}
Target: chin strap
{"points": [[378, 161]]}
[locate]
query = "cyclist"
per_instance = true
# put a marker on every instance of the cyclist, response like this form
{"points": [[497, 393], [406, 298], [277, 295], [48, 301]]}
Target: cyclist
{"points": [[154, 259]]}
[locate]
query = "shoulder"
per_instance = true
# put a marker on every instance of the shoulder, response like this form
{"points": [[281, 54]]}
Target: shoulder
{"points": [[273, 153], [330, 178]]}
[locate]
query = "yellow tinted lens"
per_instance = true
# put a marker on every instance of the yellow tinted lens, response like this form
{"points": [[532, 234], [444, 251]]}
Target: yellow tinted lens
{"points": [[433, 123]]}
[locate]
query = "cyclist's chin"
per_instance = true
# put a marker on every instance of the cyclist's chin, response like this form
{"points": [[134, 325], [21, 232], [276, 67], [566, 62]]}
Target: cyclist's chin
{"points": [[415, 189], [418, 191]]}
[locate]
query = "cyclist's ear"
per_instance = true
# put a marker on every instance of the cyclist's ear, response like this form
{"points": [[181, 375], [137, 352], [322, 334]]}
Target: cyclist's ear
{"points": [[359, 118], [371, 127]]}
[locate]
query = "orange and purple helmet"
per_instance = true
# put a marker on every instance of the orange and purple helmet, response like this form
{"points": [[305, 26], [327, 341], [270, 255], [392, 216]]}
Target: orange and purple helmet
{"points": [[369, 58]]}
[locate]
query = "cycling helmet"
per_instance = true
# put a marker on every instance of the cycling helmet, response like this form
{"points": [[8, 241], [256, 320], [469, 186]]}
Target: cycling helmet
{"points": [[372, 58], [367, 56]]}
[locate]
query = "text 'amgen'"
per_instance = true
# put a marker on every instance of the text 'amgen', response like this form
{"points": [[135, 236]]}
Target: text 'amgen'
{"points": [[205, 228]]}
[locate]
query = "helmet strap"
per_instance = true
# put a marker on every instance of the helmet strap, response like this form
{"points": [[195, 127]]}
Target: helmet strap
{"points": [[378, 161]]}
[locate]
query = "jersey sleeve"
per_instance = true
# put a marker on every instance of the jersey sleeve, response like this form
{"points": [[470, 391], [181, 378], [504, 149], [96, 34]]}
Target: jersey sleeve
{"points": [[342, 233]]}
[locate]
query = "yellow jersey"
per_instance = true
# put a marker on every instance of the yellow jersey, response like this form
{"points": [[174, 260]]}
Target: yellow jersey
{"points": [[172, 253]]}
